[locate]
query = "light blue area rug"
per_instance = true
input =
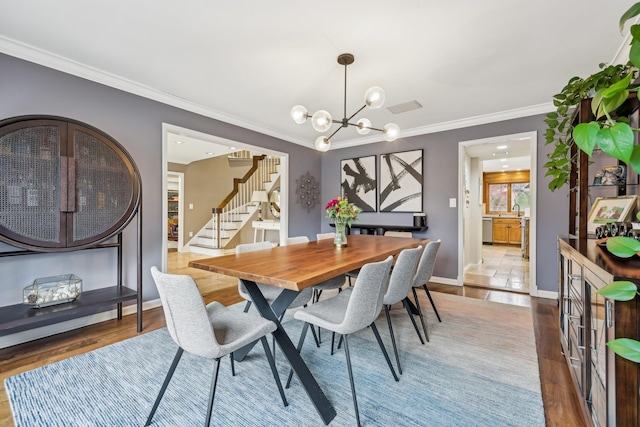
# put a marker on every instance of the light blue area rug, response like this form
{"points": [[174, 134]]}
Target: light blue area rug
{"points": [[480, 369]]}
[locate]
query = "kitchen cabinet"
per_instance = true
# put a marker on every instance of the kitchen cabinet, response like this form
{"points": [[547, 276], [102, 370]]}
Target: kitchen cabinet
{"points": [[66, 186], [507, 231], [606, 383]]}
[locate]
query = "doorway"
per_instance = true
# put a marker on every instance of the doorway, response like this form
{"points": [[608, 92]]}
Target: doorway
{"points": [[476, 258], [205, 142]]}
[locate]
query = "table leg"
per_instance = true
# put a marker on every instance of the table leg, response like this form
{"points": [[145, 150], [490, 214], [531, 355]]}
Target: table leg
{"points": [[323, 406]]}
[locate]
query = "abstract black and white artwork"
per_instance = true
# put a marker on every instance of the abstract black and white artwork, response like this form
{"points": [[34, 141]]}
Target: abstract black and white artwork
{"points": [[358, 182], [401, 182]]}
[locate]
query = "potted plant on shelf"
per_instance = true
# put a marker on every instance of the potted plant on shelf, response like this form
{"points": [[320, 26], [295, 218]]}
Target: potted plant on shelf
{"points": [[609, 89]]}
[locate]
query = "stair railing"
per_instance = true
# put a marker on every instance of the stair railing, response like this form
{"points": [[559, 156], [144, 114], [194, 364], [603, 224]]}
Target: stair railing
{"points": [[229, 210]]}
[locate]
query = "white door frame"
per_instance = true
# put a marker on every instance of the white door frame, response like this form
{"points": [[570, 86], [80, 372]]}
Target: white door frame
{"points": [[533, 148], [284, 179]]}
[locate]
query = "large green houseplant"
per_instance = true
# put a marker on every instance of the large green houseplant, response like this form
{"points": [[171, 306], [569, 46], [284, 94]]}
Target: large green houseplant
{"points": [[609, 89]]}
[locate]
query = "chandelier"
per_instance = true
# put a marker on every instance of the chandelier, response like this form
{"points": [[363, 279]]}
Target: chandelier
{"points": [[321, 120]]}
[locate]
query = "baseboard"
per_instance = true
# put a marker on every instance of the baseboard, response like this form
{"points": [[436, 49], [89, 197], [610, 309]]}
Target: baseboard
{"points": [[546, 294], [444, 281], [69, 325]]}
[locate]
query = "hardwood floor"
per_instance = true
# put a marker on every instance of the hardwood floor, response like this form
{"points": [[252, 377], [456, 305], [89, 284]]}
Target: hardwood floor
{"points": [[558, 393]]}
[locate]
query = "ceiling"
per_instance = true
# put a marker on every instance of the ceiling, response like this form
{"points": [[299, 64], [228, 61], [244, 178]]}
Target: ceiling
{"points": [[248, 62]]}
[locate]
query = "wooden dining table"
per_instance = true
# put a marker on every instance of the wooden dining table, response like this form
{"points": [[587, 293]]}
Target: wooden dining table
{"points": [[294, 268]]}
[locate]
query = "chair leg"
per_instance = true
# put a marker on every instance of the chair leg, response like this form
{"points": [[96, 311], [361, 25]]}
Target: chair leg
{"points": [[384, 350], [212, 392], [167, 379], [424, 325], [246, 306], [333, 340], [405, 302], [303, 334], [431, 300], [233, 366], [353, 386], [274, 371], [393, 339]]}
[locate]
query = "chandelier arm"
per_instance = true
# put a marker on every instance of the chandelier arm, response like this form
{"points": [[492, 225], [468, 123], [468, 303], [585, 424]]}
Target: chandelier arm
{"points": [[354, 114], [336, 131], [365, 127]]}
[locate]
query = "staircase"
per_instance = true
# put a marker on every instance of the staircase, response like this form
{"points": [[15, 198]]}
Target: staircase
{"points": [[237, 210]]}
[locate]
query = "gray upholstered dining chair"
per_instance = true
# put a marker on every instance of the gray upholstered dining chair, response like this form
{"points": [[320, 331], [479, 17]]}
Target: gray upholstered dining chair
{"points": [[400, 282], [422, 277], [270, 292], [350, 311], [212, 331]]}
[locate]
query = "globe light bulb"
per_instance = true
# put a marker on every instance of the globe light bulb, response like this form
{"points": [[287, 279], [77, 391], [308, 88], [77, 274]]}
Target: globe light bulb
{"points": [[374, 97], [323, 144], [299, 114], [390, 132], [364, 126], [321, 121]]}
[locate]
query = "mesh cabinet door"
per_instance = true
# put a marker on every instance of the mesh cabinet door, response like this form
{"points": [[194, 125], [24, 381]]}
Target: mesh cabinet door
{"points": [[64, 185]]}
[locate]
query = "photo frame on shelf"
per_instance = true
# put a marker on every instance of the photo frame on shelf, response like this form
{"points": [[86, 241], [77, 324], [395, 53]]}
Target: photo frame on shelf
{"points": [[401, 182], [358, 182], [610, 209]]}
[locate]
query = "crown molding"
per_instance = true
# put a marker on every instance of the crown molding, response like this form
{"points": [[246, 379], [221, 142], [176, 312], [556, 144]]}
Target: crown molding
{"points": [[41, 57]]}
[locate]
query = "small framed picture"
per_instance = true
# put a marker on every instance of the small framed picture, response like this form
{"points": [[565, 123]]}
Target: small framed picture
{"points": [[610, 209]]}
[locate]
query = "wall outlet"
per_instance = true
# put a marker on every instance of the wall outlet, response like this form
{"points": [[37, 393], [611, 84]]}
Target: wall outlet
{"points": [[191, 234], [190, 205]]}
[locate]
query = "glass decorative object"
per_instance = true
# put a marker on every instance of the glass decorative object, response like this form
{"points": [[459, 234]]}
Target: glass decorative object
{"points": [[340, 238], [52, 290]]}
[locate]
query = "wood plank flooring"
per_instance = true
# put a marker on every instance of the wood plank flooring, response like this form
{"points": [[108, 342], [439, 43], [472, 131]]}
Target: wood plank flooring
{"points": [[560, 400]]}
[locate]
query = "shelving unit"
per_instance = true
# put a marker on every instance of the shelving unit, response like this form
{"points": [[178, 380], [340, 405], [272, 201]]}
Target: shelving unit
{"points": [[606, 383], [69, 187]]}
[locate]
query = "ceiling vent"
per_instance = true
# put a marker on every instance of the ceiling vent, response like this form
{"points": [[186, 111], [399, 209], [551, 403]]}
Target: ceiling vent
{"points": [[403, 108]]}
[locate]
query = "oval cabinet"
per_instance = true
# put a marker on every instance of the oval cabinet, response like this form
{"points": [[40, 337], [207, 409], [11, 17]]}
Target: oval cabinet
{"points": [[64, 185]]}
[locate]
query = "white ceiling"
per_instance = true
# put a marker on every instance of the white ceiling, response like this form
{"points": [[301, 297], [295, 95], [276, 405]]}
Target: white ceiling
{"points": [[248, 62]]}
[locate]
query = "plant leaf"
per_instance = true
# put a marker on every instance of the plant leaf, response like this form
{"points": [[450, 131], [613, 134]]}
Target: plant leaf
{"points": [[619, 291], [616, 141], [634, 162], [613, 102], [617, 87], [585, 135], [623, 247], [634, 53], [630, 13], [626, 348], [596, 103]]}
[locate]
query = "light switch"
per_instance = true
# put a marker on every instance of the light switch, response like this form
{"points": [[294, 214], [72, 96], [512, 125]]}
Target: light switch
{"points": [[191, 234], [190, 205], [452, 203]]}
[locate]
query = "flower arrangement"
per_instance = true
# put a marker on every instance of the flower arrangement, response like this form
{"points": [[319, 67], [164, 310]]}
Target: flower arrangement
{"points": [[341, 211]]}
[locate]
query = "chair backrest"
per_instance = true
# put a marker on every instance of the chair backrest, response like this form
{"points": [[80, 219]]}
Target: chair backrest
{"points": [[401, 279], [398, 233], [250, 247], [185, 313], [296, 240], [365, 301], [426, 264], [323, 236]]}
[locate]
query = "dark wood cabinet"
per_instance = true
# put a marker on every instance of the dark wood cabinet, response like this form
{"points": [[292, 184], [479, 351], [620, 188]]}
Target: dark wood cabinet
{"points": [[66, 186], [607, 383]]}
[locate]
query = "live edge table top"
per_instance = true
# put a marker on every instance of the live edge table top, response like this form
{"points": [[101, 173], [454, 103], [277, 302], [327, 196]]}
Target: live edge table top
{"points": [[299, 266]]}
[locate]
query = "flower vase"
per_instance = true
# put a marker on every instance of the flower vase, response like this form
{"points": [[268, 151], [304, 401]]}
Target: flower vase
{"points": [[340, 239]]}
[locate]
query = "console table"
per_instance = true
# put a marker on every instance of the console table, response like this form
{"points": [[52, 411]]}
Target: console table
{"points": [[263, 226], [381, 229]]}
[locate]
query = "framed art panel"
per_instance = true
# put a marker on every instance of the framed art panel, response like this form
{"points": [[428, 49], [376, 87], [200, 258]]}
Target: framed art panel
{"points": [[610, 209], [358, 179], [401, 182]]}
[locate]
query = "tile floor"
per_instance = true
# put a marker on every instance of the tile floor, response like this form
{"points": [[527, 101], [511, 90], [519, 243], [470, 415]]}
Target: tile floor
{"points": [[503, 268]]}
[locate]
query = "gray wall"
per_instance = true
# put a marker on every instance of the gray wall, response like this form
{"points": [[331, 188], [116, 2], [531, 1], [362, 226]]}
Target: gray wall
{"points": [[136, 122], [441, 183]]}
